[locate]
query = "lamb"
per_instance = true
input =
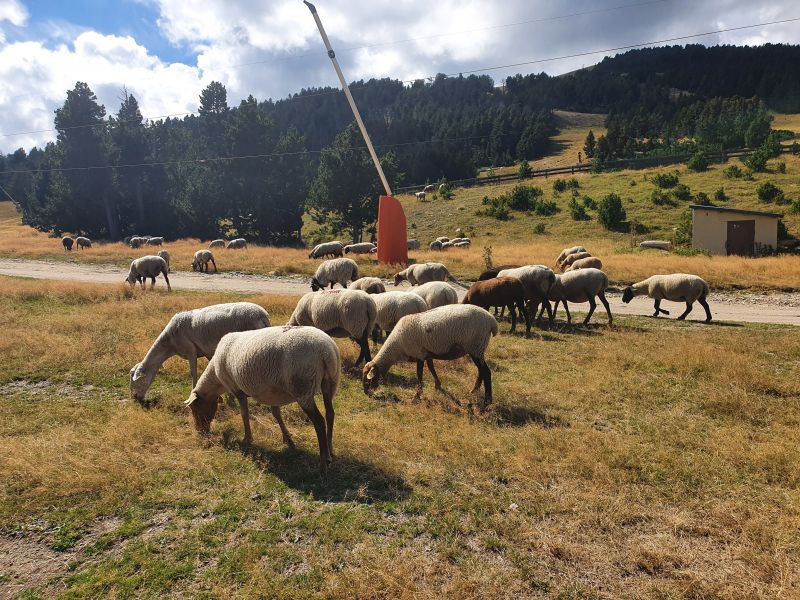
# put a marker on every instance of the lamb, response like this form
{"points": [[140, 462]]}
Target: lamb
{"points": [[165, 255], [435, 245], [337, 270], [678, 287], [500, 291], [362, 248], [191, 334], [566, 252], [67, 242], [83, 242], [371, 285], [420, 196], [591, 262], [218, 243], [436, 294], [423, 273], [335, 249], [237, 244], [412, 244], [537, 280], [567, 262], [201, 260], [136, 242], [155, 241], [392, 306], [274, 366], [148, 266], [339, 313], [444, 333], [580, 286]]}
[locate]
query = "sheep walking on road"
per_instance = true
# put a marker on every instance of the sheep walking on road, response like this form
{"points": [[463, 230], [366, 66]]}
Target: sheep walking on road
{"points": [[537, 280], [67, 242], [336, 270], [148, 267], [578, 286], [424, 272], [444, 333], [165, 255], [274, 366], [201, 260], [678, 287], [500, 292]]}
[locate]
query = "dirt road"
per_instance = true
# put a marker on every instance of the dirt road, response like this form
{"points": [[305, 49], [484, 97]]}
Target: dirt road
{"points": [[753, 308]]}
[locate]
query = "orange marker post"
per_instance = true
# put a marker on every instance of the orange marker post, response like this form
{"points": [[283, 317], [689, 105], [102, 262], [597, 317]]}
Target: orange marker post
{"points": [[392, 242]]}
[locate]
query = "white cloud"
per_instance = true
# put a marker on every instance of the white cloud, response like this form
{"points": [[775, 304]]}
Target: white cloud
{"points": [[14, 12]]}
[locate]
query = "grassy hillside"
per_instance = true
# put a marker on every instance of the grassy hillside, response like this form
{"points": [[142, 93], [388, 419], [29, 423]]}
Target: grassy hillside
{"points": [[656, 459]]}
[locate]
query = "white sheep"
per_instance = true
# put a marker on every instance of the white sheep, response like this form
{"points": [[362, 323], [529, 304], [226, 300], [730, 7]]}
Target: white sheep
{"points": [[83, 242], [567, 262], [678, 287], [148, 267], [237, 244], [443, 239], [274, 366], [155, 241], [566, 252], [435, 245], [201, 260], [137, 242], [444, 333], [192, 334], [336, 270], [219, 243], [591, 262], [537, 280], [371, 285], [436, 293], [334, 248], [424, 272], [339, 313], [420, 196], [362, 248], [463, 244], [392, 306], [447, 245], [165, 255], [412, 244], [429, 188], [579, 286]]}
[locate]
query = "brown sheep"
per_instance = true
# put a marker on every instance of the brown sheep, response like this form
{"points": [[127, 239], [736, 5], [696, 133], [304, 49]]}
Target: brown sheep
{"points": [[500, 291]]}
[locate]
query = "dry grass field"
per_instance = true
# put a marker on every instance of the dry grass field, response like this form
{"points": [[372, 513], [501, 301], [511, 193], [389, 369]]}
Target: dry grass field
{"points": [[655, 459]]}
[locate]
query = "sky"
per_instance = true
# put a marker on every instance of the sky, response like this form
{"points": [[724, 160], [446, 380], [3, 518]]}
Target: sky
{"points": [[165, 52]]}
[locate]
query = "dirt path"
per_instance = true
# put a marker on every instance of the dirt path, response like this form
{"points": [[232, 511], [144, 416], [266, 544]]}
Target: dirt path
{"points": [[753, 308]]}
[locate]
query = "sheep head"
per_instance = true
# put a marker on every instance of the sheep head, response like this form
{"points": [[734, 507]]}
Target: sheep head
{"points": [[370, 377], [627, 294], [140, 381], [398, 278], [315, 284], [203, 410]]}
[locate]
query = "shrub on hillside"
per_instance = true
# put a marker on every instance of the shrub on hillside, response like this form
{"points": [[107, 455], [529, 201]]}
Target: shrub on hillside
{"points": [[665, 180], [577, 211], [539, 229], [698, 162], [588, 202], [523, 197], [733, 172], [610, 212], [573, 183], [795, 207], [720, 195], [703, 199], [495, 207], [661, 198], [683, 232], [525, 169], [756, 160], [559, 185], [682, 192], [769, 192], [782, 167], [545, 208]]}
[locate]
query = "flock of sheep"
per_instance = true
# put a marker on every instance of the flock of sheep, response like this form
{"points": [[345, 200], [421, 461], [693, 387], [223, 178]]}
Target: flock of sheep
{"points": [[275, 366]]}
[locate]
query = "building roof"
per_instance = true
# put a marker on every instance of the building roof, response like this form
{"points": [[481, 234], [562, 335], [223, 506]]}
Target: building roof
{"points": [[737, 211]]}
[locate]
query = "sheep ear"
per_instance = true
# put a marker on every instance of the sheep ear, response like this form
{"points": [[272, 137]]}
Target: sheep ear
{"points": [[371, 374], [192, 398]]}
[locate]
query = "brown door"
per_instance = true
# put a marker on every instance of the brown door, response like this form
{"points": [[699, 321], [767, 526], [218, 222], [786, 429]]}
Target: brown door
{"points": [[741, 237]]}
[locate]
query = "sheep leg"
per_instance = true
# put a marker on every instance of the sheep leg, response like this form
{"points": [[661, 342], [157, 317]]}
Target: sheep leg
{"points": [[169, 287], [704, 304], [364, 344], [659, 309], [550, 316], [376, 334], [566, 309], [592, 306], [689, 306], [287, 439], [245, 410], [327, 398], [313, 413], [215, 266], [436, 379], [192, 358], [479, 380], [420, 373], [523, 311], [513, 317], [152, 282]]}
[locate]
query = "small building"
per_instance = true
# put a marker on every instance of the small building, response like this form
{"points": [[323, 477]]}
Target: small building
{"points": [[733, 231]]}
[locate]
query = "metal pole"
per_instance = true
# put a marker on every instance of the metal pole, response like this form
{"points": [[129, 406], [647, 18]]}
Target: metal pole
{"points": [[349, 96]]}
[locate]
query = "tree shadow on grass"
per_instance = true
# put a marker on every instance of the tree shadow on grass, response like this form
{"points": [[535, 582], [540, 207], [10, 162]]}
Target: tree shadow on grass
{"points": [[517, 416], [348, 479]]}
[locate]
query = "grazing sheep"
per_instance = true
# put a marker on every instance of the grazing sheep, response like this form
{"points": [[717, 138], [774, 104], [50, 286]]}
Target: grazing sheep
{"points": [[362, 248], [420, 196], [500, 292], [567, 262], [191, 334], [217, 244], [148, 266], [371, 285], [337, 270], [436, 293], [335, 249], [165, 255], [201, 260], [428, 189], [435, 245], [463, 244], [461, 240], [580, 286], [237, 244], [392, 306], [137, 242], [591, 262], [339, 313], [444, 333], [537, 280], [155, 241], [443, 239], [492, 273], [447, 245], [566, 252], [274, 366], [678, 287], [412, 244], [83, 242], [67, 242], [425, 272]]}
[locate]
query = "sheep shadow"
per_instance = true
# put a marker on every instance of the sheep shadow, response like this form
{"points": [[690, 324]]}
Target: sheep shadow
{"points": [[348, 479], [517, 416]]}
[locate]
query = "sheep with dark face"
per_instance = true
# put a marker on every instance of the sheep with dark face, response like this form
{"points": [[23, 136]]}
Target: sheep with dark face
{"points": [[678, 287], [537, 280], [201, 260], [581, 285], [67, 242], [148, 267]]}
